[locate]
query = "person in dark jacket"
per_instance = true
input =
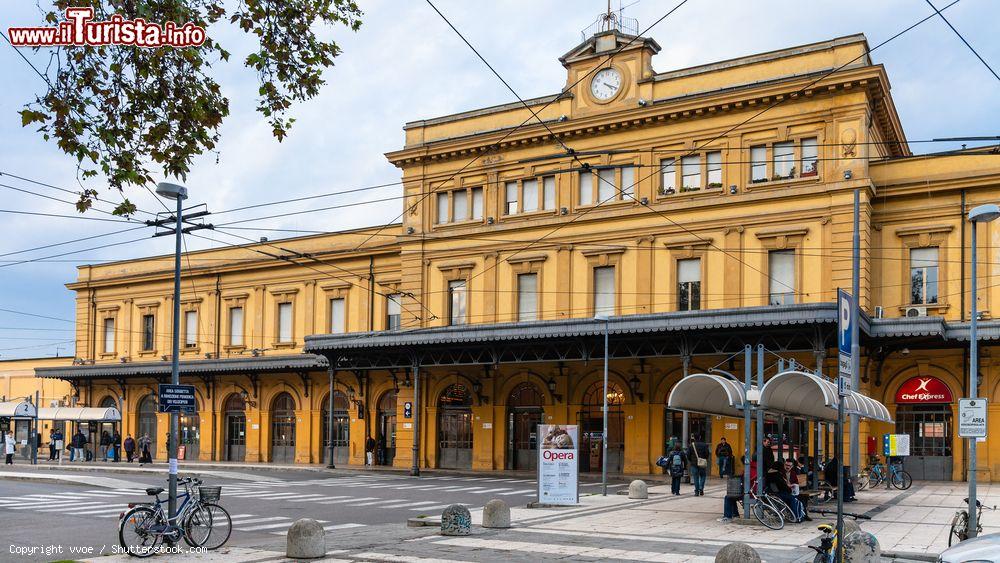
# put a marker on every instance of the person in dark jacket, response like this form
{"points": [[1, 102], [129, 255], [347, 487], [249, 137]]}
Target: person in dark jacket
{"points": [[724, 453], [370, 451], [778, 485], [144, 454], [105, 444], [116, 443], [129, 448], [79, 443], [830, 475], [676, 464], [698, 464]]}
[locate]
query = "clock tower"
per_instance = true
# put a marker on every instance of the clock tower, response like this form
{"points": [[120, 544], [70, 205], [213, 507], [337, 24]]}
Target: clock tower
{"points": [[614, 69]]}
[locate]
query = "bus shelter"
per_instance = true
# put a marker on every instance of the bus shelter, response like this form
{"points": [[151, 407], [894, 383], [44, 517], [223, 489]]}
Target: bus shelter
{"points": [[85, 419]]}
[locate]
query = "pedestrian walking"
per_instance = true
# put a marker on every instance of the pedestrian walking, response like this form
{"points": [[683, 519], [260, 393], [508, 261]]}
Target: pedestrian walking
{"points": [[676, 463], [724, 454], [129, 448], [58, 443], [52, 444], [369, 451], [79, 443], [698, 460], [116, 443], [144, 455], [8, 448]]}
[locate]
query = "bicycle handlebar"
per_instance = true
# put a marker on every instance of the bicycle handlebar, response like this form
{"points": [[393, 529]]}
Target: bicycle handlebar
{"points": [[851, 514]]}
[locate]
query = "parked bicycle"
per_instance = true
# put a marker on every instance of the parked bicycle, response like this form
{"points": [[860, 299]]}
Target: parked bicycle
{"points": [[897, 476], [769, 510], [199, 521], [827, 548], [960, 523]]}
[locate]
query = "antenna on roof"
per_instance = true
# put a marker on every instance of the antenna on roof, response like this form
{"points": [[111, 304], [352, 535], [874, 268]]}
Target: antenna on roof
{"points": [[611, 20]]}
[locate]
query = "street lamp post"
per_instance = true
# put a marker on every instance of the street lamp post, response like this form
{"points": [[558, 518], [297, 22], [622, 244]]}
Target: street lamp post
{"points": [[604, 437], [979, 214], [179, 194]]}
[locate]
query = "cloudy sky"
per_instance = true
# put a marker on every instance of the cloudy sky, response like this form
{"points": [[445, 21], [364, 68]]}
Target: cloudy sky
{"points": [[406, 64]]}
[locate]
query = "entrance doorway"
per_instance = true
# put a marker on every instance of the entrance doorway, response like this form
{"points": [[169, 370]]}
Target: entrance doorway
{"points": [[283, 429], [190, 425], [147, 422], [455, 428], [929, 427], [236, 428], [341, 429], [524, 414], [385, 440], [592, 428]]}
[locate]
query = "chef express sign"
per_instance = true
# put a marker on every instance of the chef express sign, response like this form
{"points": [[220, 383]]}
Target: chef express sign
{"points": [[558, 475]]}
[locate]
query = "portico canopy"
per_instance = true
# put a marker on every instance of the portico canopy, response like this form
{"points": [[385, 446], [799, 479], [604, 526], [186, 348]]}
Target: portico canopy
{"points": [[80, 414], [708, 394], [797, 393], [17, 409]]}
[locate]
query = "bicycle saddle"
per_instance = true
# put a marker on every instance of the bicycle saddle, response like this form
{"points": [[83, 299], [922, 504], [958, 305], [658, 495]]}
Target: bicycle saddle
{"points": [[978, 504], [154, 490]]}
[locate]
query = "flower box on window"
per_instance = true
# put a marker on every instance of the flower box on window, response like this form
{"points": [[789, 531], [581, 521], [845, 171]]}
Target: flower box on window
{"points": [[714, 185]]}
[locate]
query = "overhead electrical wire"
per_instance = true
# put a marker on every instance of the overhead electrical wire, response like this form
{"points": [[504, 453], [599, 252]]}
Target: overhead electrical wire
{"points": [[967, 44]]}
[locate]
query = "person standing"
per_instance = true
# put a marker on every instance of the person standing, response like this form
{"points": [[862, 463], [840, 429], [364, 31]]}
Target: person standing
{"points": [[57, 443], [724, 453], [8, 448], [52, 444], [129, 448], [144, 455], [105, 443], [116, 443], [79, 443], [380, 450], [370, 451], [698, 460], [676, 463]]}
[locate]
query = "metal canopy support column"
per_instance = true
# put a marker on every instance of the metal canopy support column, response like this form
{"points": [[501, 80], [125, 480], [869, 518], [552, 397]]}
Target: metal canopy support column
{"points": [[332, 373], [415, 467], [855, 460], [747, 371], [761, 470], [820, 355], [685, 420]]}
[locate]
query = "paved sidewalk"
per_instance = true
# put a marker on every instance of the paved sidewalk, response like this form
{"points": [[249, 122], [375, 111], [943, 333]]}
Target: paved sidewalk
{"points": [[662, 528], [69, 477]]}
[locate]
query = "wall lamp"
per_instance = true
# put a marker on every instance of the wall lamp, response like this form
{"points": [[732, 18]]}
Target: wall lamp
{"points": [[848, 174], [551, 383], [634, 384], [733, 190], [477, 388], [246, 399]]}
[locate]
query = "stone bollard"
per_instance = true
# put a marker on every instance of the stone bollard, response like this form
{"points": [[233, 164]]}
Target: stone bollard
{"points": [[496, 514], [456, 521], [638, 490], [862, 547], [737, 552], [850, 526], [306, 540]]}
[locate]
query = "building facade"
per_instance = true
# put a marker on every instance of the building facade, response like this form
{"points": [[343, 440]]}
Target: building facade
{"points": [[695, 211]]}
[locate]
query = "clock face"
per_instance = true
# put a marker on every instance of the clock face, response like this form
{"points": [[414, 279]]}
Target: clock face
{"points": [[606, 84]]}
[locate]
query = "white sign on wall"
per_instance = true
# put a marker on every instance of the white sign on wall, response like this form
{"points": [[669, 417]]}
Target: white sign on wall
{"points": [[972, 418], [558, 464]]}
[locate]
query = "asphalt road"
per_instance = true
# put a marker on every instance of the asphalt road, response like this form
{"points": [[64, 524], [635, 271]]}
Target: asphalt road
{"points": [[53, 521]]}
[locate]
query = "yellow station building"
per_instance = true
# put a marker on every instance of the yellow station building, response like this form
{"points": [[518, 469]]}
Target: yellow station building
{"points": [[703, 209]]}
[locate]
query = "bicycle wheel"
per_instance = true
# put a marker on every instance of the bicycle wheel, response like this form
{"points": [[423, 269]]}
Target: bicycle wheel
{"points": [[197, 526], [874, 478], [959, 527], [219, 523], [901, 480], [136, 531], [782, 507], [767, 515], [862, 481]]}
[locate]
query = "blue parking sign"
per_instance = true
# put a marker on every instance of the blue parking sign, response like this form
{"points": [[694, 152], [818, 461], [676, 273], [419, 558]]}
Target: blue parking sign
{"points": [[845, 304]]}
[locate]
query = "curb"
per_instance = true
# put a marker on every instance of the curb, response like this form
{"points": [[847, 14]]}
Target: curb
{"points": [[909, 556]]}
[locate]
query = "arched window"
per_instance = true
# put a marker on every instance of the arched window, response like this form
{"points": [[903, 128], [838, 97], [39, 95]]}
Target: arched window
{"points": [[593, 396], [235, 403], [283, 402], [146, 405], [456, 395], [108, 402], [525, 395], [387, 403]]}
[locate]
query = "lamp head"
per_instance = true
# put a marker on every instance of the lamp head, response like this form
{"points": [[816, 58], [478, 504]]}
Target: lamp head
{"points": [[984, 213], [171, 191], [601, 317]]}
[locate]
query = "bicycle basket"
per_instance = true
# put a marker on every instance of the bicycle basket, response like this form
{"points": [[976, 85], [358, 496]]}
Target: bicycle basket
{"points": [[207, 494]]}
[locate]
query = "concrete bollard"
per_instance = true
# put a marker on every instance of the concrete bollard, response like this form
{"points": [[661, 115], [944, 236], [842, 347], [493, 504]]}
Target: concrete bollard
{"points": [[306, 540], [850, 526], [862, 547], [496, 514], [737, 552], [638, 490], [456, 521]]}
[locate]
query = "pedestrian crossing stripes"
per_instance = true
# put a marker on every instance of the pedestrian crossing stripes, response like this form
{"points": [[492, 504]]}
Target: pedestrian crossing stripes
{"points": [[278, 525]]}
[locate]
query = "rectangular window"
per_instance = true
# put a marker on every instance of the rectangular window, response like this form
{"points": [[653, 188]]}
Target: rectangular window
{"points": [[529, 189], [461, 205], [668, 176], [549, 195], [810, 157], [784, 160], [527, 297], [148, 332], [691, 173], [510, 193], [586, 187], [109, 336], [338, 318], [477, 203], [236, 326], [190, 329], [606, 189], [604, 290], [758, 164], [393, 311], [714, 169], [284, 322], [781, 269], [628, 182], [689, 284], [442, 208], [458, 299], [924, 275]]}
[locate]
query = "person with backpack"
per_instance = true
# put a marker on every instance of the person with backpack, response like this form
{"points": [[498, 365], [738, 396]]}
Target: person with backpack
{"points": [[676, 463], [698, 459]]}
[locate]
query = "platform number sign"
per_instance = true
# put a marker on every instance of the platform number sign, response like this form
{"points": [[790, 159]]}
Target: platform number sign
{"points": [[845, 303]]}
